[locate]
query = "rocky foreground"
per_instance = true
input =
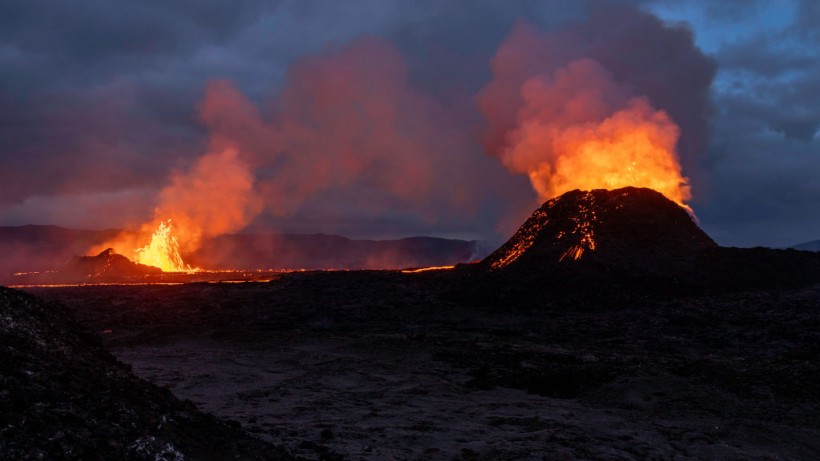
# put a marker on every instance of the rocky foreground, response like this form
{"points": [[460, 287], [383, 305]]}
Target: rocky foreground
{"points": [[63, 396]]}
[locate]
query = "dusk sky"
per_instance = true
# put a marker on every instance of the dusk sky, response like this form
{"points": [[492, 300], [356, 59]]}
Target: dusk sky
{"points": [[384, 119]]}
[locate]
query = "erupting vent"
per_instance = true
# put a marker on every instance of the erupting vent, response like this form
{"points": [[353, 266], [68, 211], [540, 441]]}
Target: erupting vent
{"points": [[163, 251]]}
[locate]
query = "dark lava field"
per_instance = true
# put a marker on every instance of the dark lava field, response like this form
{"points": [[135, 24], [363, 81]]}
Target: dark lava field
{"points": [[386, 365]]}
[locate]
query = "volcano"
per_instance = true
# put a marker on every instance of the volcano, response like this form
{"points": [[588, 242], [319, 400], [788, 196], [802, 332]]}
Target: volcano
{"points": [[636, 236], [634, 229]]}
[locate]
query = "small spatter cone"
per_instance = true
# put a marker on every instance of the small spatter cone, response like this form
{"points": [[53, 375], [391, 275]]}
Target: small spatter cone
{"points": [[630, 229], [106, 264]]}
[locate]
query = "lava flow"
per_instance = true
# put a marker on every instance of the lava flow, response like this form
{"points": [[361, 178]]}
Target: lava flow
{"points": [[583, 231]]}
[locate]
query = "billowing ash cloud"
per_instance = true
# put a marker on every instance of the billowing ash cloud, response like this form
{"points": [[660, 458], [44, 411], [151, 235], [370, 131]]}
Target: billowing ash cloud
{"points": [[216, 196], [577, 129], [585, 105], [350, 122]]}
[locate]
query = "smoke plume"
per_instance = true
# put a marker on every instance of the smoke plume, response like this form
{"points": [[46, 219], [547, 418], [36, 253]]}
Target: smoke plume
{"points": [[590, 105], [347, 122], [214, 197], [577, 129]]}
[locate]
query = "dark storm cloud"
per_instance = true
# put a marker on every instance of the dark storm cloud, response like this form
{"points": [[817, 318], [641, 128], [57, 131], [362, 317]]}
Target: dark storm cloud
{"points": [[808, 13], [757, 56], [103, 138], [88, 32], [92, 96], [457, 39]]}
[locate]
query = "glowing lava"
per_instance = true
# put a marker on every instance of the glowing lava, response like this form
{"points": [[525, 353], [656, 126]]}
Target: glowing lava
{"points": [[163, 251], [427, 269], [583, 232]]}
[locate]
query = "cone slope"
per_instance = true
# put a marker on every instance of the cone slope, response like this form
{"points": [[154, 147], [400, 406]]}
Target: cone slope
{"points": [[628, 229]]}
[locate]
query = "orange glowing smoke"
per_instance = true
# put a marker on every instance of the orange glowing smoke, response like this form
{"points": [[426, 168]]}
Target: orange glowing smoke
{"points": [[579, 129], [214, 197]]}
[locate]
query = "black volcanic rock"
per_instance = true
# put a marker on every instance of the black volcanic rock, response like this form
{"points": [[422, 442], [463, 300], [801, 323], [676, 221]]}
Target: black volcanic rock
{"points": [[62, 396], [631, 229], [106, 264]]}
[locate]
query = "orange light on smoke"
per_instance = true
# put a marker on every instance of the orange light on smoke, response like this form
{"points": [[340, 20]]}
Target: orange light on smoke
{"points": [[633, 147]]}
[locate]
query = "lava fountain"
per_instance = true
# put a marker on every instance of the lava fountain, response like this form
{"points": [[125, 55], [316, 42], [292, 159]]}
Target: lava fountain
{"points": [[163, 250]]}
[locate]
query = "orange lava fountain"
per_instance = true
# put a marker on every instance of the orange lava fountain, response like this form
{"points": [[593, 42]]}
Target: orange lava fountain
{"points": [[163, 251]]}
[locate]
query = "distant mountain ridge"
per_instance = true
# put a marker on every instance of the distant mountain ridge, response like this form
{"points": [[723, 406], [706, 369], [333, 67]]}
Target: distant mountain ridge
{"points": [[326, 251], [814, 245], [44, 247]]}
